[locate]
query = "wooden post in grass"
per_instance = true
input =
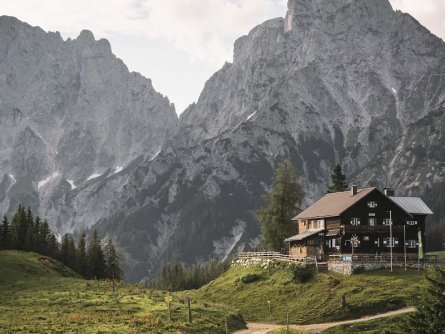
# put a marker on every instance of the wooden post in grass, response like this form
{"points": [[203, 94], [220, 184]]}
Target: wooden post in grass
{"points": [[190, 310], [287, 323], [169, 299], [227, 327]]}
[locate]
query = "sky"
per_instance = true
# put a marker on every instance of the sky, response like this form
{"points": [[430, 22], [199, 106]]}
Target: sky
{"points": [[178, 44]]}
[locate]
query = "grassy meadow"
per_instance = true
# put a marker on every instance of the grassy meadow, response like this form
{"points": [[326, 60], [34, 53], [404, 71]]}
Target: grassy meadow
{"points": [[40, 295], [275, 293]]}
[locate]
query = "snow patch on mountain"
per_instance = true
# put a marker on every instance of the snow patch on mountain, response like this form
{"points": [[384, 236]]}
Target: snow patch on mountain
{"points": [[93, 176], [251, 115], [71, 182], [44, 182]]}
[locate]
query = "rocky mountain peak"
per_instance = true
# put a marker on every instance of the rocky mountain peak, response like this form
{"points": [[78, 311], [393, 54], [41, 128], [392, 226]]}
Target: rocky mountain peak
{"points": [[303, 14]]}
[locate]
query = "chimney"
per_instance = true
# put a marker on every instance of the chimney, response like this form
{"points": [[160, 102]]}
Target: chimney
{"points": [[354, 189], [389, 192]]}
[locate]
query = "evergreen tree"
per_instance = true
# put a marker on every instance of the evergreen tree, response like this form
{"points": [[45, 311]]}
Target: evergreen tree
{"points": [[52, 246], [4, 234], [96, 261], [338, 180], [81, 257], [113, 269], [44, 240], [68, 252], [430, 315], [30, 240], [38, 240], [282, 201]]}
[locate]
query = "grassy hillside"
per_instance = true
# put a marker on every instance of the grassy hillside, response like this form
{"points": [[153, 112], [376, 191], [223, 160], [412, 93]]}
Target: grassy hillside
{"points": [[40, 295], [316, 301]]}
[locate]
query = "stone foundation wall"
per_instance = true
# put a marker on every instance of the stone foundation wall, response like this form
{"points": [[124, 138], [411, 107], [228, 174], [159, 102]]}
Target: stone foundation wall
{"points": [[348, 268]]}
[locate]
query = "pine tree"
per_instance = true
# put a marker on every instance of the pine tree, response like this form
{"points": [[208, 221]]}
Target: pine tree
{"points": [[81, 258], [96, 261], [282, 201], [113, 269], [44, 240], [38, 240], [52, 246], [30, 240], [5, 234], [338, 180], [430, 315]]}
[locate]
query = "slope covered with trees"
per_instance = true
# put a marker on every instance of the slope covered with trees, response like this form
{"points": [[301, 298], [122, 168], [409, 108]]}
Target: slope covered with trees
{"points": [[28, 233]]}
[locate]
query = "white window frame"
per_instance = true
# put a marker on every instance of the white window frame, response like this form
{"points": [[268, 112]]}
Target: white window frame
{"points": [[372, 204], [411, 243], [355, 221], [373, 219], [387, 242], [386, 221], [411, 222]]}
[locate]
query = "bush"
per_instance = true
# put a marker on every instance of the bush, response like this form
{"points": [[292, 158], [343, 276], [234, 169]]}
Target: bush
{"points": [[359, 270], [250, 278], [304, 274]]}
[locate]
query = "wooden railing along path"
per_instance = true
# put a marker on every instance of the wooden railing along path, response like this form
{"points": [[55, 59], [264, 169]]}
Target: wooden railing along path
{"points": [[278, 256]]}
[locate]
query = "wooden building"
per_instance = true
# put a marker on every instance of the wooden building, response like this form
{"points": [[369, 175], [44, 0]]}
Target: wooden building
{"points": [[364, 215]]}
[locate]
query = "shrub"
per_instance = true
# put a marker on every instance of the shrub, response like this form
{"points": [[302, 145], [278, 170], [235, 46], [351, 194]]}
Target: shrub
{"points": [[250, 278], [359, 270], [304, 274]]}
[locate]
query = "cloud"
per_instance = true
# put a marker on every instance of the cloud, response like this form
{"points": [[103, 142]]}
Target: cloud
{"points": [[204, 29], [430, 13]]}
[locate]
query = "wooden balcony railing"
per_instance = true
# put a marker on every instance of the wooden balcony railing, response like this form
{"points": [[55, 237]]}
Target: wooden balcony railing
{"points": [[397, 258]]}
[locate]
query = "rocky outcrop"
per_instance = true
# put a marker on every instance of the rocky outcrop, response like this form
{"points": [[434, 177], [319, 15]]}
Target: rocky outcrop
{"points": [[70, 111], [351, 82], [347, 81]]}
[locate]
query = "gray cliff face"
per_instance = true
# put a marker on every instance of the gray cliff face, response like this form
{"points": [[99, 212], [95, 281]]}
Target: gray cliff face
{"points": [[350, 81], [354, 82], [70, 110]]}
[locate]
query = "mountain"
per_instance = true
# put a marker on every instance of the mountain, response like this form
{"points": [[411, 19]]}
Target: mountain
{"points": [[350, 81], [73, 118]]}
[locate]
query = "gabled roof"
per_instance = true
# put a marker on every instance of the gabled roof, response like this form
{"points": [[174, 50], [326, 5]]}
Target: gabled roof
{"points": [[304, 235], [413, 205], [333, 204]]}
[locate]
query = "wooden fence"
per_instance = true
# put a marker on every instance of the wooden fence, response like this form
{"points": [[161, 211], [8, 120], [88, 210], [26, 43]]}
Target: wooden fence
{"points": [[278, 256]]}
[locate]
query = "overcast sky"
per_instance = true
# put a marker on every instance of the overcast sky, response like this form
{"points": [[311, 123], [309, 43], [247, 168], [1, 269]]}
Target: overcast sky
{"points": [[179, 44]]}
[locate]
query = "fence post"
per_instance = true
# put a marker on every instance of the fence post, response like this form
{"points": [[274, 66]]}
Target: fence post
{"points": [[190, 310], [287, 322]]}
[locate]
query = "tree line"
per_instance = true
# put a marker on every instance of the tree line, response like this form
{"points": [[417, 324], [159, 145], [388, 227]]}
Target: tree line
{"points": [[179, 277], [28, 233]]}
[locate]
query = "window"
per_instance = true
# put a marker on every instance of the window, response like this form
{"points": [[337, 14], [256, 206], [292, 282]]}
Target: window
{"points": [[355, 221], [386, 221], [411, 222], [366, 238], [411, 243], [371, 214], [387, 242], [372, 221], [372, 204]]}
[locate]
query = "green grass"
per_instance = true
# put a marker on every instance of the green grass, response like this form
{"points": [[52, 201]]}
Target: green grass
{"points": [[390, 325], [315, 301], [39, 295]]}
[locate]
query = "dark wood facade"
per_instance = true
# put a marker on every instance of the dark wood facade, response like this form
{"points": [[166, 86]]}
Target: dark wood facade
{"points": [[367, 220]]}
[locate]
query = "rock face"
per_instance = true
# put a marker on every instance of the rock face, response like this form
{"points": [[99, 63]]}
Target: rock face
{"points": [[350, 81], [70, 110]]}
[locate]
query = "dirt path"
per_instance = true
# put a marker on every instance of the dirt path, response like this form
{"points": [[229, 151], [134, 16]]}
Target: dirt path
{"points": [[259, 328]]}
